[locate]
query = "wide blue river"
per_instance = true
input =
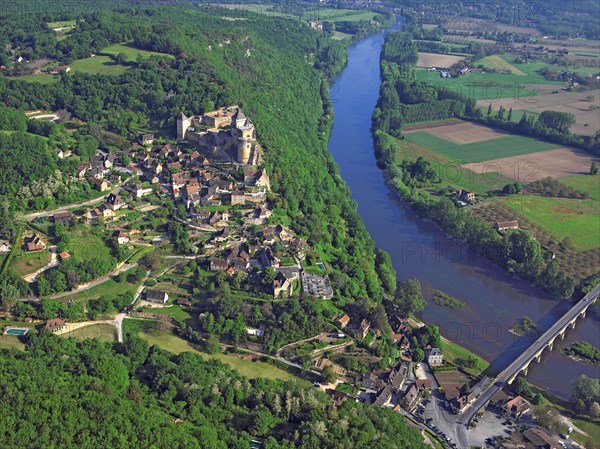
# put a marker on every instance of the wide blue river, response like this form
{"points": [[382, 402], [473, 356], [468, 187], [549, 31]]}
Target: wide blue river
{"points": [[419, 249]]}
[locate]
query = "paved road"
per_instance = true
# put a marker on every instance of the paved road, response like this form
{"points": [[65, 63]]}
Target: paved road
{"points": [[526, 357]]}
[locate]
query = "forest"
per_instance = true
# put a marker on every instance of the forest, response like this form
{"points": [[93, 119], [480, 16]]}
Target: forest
{"points": [[403, 99], [62, 393]]}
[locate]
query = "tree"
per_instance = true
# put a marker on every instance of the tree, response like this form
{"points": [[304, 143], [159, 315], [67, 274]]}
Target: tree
{"points": [[269, 276], [329, 374], [558, 121], [409, 298], [121, 58], [212, 345], [9, 294], [594, 168]]}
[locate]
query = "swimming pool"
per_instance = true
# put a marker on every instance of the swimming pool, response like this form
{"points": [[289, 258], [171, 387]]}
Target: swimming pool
{"points": [[16, 330], [321, 265]]}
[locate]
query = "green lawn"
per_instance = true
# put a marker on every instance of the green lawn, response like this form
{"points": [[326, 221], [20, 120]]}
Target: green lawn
{"points": [[561, 217], [10, 342], [498, 63], [176, 312], [102, 332], [585, 183], [456, 354], [480, 151], [98, 65], [43, 78], [26, 263], [177, 345], [87, 246], [109, 288], [131, 52]]}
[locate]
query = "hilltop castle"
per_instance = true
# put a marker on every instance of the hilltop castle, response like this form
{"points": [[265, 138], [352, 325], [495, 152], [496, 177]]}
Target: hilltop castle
{"points": [[226, 128]]}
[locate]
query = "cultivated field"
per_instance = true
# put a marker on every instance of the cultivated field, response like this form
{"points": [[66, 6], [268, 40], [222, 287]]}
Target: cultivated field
{"points": [[497, 63], [459, 132], [557, 163], [480, 151], [437, 60]]}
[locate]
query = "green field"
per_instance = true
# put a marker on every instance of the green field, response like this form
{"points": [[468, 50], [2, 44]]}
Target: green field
{"points": [[98, 65], [585, 183], [489, 86], [480, 151], [132, 53], [253, 370], [102, 332], [561, 217]]}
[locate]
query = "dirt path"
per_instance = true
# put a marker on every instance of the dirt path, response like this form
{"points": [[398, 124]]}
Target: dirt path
{"points": [[53, 263]]}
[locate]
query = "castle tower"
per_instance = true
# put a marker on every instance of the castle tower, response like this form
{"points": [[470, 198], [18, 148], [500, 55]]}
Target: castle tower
{"points": [[244, 149], [183, 123]]}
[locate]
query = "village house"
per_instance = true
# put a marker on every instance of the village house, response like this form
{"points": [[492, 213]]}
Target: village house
{"points": [[122, 237], [218, 264], [146, 139], [156, 296], [114, 202], [364, 327], [502, 226], [384, 397], [343, 321], [540, 439], [370, 381], [237, 197], [282, 286], [184, 302], [55, 325], [100, 184], [465, 196], [62, 217], [139, 191], [82, 170], [64, 256], [435, 357], [5, 246], [268, 259], [35, 243], [516, 407]]}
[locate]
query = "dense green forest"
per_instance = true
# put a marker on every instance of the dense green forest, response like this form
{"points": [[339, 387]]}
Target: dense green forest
{"points": [[61, 393], [403, 99]]}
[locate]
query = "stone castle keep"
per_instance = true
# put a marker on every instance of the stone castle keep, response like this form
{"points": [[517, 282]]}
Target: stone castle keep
{"points": [[227, 129]]}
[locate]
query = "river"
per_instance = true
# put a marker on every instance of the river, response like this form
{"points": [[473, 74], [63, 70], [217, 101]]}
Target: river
{"points": [[419, 249]]}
